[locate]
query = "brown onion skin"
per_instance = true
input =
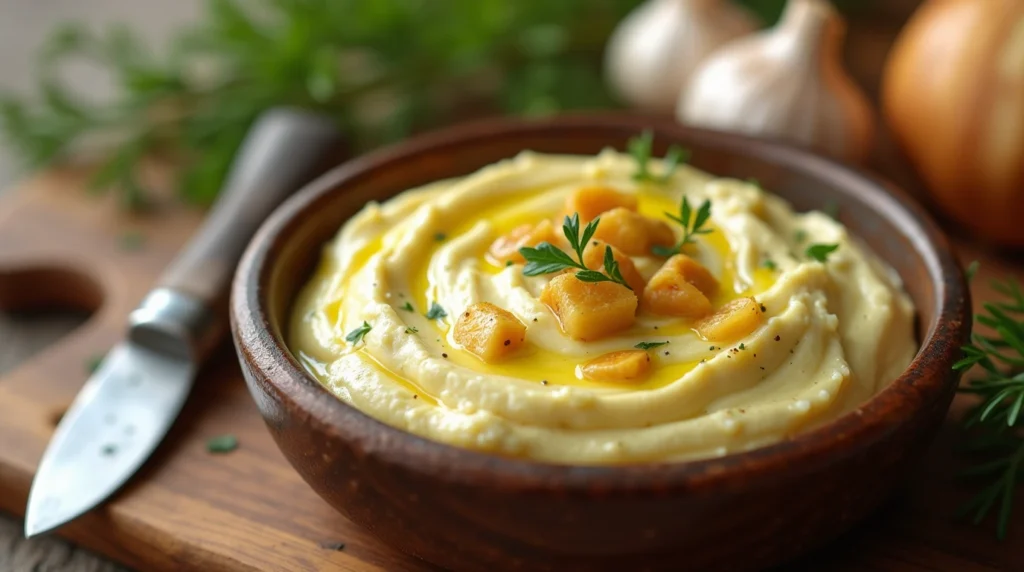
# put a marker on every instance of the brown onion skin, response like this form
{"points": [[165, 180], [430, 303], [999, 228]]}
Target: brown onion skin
{"points": [[953, 95]]}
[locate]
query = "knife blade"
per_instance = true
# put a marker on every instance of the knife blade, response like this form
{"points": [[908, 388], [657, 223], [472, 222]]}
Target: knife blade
{"points": [[128, 405]]}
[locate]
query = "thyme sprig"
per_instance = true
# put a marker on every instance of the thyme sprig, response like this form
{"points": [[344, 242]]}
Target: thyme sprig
{"points": [[995, 422], [546, 258]]}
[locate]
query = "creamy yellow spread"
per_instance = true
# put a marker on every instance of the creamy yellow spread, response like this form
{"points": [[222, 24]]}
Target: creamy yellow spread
{"points": [[834, 332]]}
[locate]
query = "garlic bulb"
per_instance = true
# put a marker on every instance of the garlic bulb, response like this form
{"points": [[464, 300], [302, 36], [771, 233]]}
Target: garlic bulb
{"points": [[658, 45], [787, 82]]}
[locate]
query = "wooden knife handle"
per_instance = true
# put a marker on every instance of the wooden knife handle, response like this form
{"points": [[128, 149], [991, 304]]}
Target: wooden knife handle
{"points": [[285, 149]]}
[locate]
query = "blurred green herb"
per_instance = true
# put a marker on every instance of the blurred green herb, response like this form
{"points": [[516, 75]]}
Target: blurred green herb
{"points": [[820, 252], [995, 422], [436, 312], [132, 241], [381, 69], [222, 444], [640, 147]]}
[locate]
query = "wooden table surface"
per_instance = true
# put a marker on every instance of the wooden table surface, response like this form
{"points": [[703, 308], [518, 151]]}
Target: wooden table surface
{"points": [[24, 25]]}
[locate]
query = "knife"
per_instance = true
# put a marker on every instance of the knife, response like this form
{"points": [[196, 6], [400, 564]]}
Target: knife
{"points": [[126, 408]]}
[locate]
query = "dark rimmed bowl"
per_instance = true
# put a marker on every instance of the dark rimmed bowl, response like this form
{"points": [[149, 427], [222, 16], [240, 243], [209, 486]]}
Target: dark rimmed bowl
{"points": [[471, 511]]}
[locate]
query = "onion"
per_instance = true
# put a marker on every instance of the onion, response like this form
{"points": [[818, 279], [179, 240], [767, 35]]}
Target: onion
{"points": [[953, 94]]}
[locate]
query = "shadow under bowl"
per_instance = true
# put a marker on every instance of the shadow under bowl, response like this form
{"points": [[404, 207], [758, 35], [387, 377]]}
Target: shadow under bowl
{"points": [[467, 510]]}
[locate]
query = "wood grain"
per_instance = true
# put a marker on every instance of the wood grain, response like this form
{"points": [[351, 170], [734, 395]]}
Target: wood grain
{"points": [[249, 510]]}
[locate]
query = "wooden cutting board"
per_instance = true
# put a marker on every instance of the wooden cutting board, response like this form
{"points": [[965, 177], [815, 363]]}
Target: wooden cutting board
{"points": [[190, 509]]}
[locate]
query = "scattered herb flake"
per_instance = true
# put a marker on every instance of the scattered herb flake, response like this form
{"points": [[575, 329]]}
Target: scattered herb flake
{"points": [[800, 235], [820, 252], [439, 237], [972, 270], [222, 444], [408, 307], [94, 362], [770, 264], [649, 345], [743, 347], [357, 335], [754, 182], [131, 241], [411, 330], [436, 312], [508, 263]]}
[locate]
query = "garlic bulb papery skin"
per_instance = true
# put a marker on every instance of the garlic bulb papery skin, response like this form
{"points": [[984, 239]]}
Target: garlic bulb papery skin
{"points": [[657, 46], [787, 82]]}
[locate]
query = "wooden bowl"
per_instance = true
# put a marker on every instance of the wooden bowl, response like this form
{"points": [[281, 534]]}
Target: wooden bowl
{"points": [[467, 510]]}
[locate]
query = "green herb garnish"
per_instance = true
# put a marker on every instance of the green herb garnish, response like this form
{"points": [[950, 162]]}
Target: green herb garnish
{"points": [[640, 148], [770, 264], [436, 312], [820, 252], [547, 258], [972, 270], [995, 422], [411, 330], [357, 335], [440, 236], [649, 345], [131, 241], [407, 307], [222, 444], [800, 235], [94, 362], [693, 225]]}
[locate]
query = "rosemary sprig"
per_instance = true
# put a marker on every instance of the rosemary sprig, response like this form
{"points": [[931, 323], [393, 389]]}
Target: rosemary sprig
{"points": [[546, 258], [995, 422], [692, 226], [640, 148]]}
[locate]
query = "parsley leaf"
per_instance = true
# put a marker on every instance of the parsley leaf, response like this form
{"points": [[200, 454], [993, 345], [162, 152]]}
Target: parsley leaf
{"points": [[411, 330], [820, 252], [640, 148], [693, 225], [436, 312], [770, 264], [407, 307], [547, 258], [357, 335], [649, 345]]}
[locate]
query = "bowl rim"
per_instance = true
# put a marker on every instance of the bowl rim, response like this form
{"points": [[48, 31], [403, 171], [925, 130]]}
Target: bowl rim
{"points": [[259, 348]]}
